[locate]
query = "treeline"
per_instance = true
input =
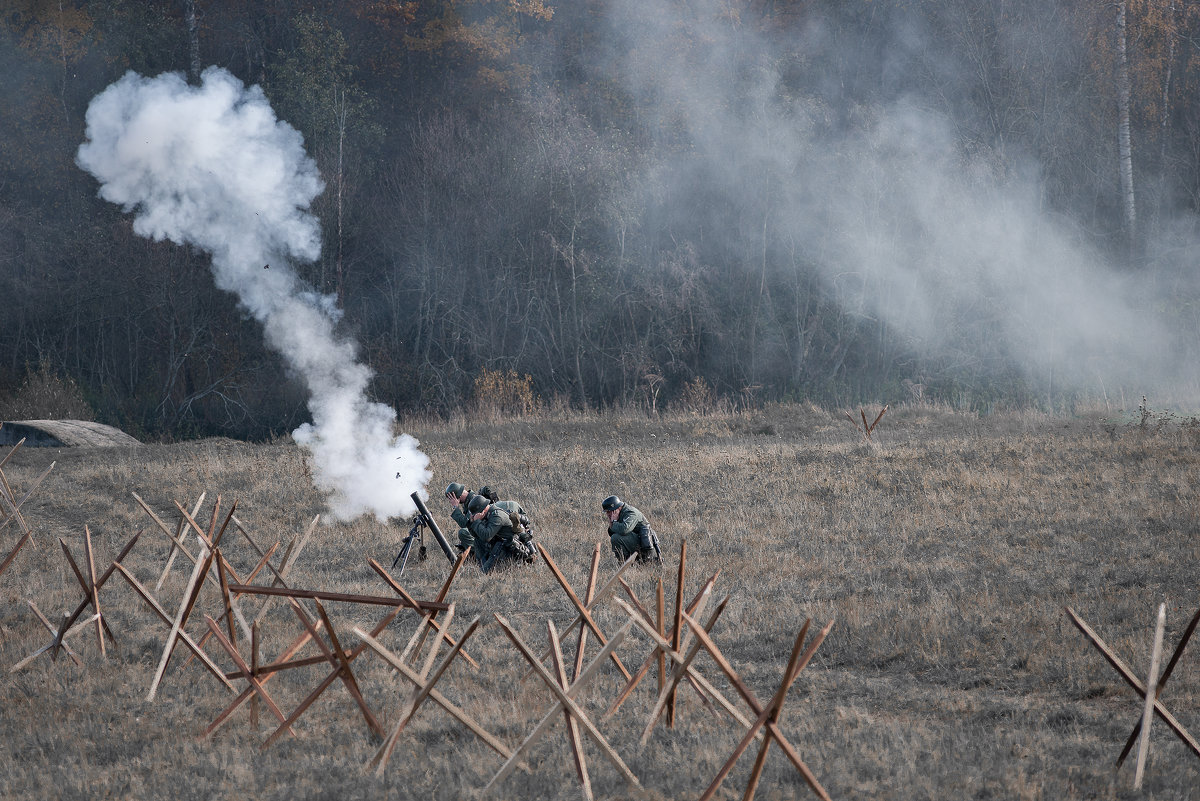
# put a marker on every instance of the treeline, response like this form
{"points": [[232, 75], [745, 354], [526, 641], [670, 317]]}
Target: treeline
{"points": [[518, 185]]}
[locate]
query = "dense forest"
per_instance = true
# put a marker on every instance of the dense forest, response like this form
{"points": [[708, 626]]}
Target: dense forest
{"points": [[632, 202]]}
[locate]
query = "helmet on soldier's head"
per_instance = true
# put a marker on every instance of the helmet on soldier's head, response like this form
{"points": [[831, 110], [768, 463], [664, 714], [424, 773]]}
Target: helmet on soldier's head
{"points": [[611, 502], [478, 504], [455, 490]]}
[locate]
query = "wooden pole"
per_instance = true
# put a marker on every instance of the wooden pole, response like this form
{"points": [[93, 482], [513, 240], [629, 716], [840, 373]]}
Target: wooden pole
{"points": [[587, 602], [254, 673], [662, 632], [1151, 684], [676, 635], [560, 670], [91, 565], [179, 538]]}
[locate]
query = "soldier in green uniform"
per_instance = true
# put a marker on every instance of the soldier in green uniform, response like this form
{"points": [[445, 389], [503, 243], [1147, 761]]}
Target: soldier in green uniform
{"points": [[503, 528], [629, 532], [460, 498]]}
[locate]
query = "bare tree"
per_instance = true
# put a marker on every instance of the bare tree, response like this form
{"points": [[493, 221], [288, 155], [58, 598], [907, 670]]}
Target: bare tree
{"points": [[1124, 143]]}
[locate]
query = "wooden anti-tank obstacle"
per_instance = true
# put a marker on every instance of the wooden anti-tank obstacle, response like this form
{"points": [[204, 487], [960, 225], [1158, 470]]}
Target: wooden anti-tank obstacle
{"points": [[90, 598], [426, 688], [585, 613], [338, 657], [10, 507], [565, 704], [1150, 691], [867, 428]]}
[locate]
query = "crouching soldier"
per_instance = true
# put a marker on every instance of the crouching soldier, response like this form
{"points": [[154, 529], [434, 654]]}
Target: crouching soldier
{"points": [[460, 498], [504, 530], [629, 533]]}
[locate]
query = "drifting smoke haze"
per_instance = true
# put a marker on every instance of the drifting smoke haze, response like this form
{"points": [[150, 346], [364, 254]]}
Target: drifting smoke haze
{"points": [[952, 250], [211, 166]]}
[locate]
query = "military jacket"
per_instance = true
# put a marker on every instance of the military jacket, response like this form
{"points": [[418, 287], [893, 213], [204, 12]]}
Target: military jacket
{"points": [[629, 521], [495, 523]]}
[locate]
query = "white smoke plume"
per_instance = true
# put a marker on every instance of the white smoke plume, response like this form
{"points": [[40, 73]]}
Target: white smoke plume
{"points": [[211, 166]]}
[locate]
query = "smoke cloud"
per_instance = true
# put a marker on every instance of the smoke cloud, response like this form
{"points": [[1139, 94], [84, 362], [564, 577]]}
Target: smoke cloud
{"points": [[211, 166], [952, 249]]}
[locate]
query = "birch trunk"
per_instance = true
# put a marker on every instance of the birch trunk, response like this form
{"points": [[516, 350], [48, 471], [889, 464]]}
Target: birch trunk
{"points": [[1125, 146]]}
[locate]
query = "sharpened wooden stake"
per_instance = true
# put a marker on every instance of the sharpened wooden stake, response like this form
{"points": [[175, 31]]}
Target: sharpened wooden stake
{"points": [[177, 542], [195, 583], [421, 689], [340, 660], [662, 632], [601, 595], [765, 714], [678, 631], [69, 620], [661, 646], [91, 596], [253, 680], [588, 598], [1151, 696], [428, 618], [560, 670]]}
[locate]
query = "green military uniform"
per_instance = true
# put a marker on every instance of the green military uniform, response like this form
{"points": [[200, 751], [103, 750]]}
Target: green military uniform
{"points": [[466, 538], [625, 533], [502, 539]]}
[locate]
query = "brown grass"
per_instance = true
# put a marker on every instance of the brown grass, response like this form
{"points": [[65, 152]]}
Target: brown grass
{"points": [[945, 551]]}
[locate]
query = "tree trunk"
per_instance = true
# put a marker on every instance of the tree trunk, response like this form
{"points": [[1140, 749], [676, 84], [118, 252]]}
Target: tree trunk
{"points": [[1125, 146], [193, 34], [1164, 113]]}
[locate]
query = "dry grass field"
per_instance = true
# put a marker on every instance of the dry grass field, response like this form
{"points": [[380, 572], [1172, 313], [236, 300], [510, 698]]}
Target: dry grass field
{"points": [[945, 552]]}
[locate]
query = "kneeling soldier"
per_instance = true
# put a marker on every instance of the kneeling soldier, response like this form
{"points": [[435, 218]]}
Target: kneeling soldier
{"points": [[629, 533], [460, 499], [503, 528]]}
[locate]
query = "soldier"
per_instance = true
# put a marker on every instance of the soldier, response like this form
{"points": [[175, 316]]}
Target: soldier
{"points": [[503, 528], [629, 532], [460, 498]]}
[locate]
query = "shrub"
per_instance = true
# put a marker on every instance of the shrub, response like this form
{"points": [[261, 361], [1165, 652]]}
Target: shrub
{"points": [[696, 397], [45, 395], [503, 393]]}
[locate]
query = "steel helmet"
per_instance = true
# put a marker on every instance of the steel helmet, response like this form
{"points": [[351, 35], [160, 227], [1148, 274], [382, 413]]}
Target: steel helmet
{"points": [[478, 504], [612, 502], [455, 490]]}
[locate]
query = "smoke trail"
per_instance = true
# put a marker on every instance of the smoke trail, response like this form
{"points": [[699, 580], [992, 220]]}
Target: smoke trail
{"points": [[211, 166]]}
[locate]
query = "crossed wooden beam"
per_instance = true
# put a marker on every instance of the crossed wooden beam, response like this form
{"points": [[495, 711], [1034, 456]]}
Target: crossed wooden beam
{"points": [[867, 428], [565, 704], [91, 589], [1149, 691], [423, 686], [585, 614], [768, 715], [429, 621], [10, 507], [598, 597], [664, 648], [335, 654]]}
